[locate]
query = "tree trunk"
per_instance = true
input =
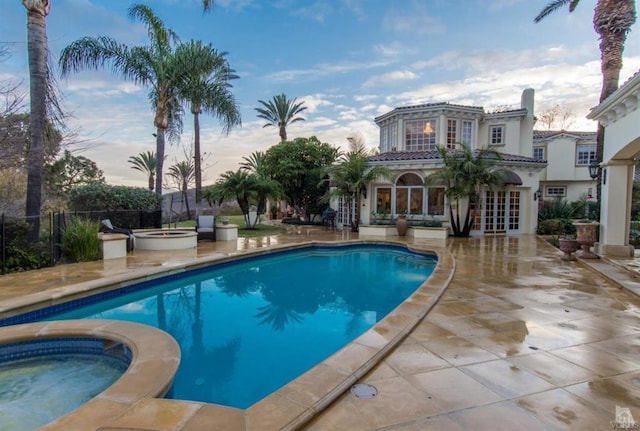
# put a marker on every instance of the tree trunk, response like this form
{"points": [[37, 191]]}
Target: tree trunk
{"points": [[612, 20], [159, 158], [197, 158], [38, 76], [185, 189], [283, 133]]}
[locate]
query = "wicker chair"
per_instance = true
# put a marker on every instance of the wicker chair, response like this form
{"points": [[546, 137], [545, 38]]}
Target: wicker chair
{"points": [[206, 227]]}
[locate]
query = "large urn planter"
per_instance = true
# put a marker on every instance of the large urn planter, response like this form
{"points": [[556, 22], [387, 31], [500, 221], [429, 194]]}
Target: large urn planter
{"points": [[587, 235], [568, 246], [402, 225]]}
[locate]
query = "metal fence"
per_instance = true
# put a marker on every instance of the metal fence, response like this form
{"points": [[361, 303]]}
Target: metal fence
{"points": [[21, 249]]}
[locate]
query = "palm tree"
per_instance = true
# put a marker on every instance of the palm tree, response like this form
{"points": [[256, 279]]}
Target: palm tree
{"points": [[248, 190], [207, 5], [206, 88], [145, 163], [280, 112], [154, 66], [349, 180], [37, 11], [612, 20], [255, 163], [183, 174], [465, 175]]}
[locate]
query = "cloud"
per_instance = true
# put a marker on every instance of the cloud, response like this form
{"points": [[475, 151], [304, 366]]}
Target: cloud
{"points": [[414, 20], [314, 101], [322, 70], [317, 11], [393, 49], [390, 78]]}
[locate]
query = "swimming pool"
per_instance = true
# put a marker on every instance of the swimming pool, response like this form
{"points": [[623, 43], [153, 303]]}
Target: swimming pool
{"points": [[248, 327]]}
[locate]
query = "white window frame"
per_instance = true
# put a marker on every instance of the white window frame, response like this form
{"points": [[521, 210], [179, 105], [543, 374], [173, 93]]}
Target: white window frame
{"points": [[542, 151], [555, 191], [467, 132], [494, 130], [585, 154], [444, 202], [452, 133], [413, 131]]}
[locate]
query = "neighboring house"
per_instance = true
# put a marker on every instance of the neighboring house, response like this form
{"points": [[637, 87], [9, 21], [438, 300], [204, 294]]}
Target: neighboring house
{"points": [[568, 155], [408, 139]]}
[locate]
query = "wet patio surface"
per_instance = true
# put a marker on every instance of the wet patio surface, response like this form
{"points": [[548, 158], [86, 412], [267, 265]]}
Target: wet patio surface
{"points": [[519, 340]]}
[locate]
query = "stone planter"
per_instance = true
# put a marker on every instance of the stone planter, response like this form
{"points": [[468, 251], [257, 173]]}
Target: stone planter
{"points": [[568, 246], [402, 225], [587, 235]]}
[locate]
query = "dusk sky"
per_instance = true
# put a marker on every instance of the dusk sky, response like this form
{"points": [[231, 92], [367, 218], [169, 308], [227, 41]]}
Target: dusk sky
{"points": [[348, 60]]}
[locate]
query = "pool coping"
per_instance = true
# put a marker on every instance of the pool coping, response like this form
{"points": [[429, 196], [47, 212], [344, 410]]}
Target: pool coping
{"points": [[294, 404], [155, 357]]}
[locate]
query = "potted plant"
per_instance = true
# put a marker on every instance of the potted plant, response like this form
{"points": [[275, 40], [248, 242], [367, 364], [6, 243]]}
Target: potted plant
{"points": [[587, 235], [401, 224], [568, 245]]}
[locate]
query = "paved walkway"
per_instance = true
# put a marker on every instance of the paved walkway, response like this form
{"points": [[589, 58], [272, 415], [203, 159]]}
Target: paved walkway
{"points": [[520, 340]]}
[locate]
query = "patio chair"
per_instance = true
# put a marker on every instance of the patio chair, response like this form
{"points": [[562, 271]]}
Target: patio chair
{"points": [[107, 227], [329, 218], [206, 227]]}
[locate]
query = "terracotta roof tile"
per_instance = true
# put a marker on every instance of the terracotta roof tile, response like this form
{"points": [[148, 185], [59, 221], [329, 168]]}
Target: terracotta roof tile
{"points": [[435, 155]]}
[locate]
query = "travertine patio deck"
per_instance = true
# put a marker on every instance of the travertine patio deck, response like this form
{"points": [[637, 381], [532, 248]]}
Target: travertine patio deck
{"points": [[519, 340]]}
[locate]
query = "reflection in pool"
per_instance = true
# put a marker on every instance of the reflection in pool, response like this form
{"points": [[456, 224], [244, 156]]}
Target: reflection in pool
{"points": [[248, 327]]}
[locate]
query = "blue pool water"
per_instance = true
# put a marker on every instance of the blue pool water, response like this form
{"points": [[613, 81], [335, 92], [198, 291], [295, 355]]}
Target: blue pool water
{"points": [[249, 327]]}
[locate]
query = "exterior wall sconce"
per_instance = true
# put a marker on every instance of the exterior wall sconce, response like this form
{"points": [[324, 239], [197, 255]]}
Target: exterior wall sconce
{"points": [[594, 169], [537, 195]]}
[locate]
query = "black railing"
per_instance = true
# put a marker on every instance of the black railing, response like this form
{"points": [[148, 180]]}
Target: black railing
{"points": [[19, 253]]}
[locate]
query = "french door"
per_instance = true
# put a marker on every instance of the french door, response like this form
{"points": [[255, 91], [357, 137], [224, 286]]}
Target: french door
{"points": [[500, 212]]}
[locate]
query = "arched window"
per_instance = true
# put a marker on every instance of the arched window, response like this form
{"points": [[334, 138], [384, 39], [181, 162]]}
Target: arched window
{"points": [[409, 195]]}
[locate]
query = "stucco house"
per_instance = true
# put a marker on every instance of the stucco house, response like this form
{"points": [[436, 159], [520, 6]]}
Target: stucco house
{"points": [[568, 155], [409, 136]]}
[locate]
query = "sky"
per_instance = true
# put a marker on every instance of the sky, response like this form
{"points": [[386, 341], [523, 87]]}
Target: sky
{"points": [[348, 60]]}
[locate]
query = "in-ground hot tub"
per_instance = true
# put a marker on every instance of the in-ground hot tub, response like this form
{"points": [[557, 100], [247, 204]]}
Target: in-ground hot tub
{"points": [[87, 372], [166, 240]]}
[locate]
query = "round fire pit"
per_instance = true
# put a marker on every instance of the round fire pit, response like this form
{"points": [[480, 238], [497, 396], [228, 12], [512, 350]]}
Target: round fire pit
{"points": [[166, 240]]}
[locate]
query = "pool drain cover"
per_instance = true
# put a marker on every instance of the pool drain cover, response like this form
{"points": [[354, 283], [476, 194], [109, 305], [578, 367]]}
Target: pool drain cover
{"points": [[363, 390]]}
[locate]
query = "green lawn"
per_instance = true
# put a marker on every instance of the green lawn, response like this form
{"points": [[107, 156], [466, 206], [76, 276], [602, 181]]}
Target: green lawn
{"points": [[260, 230]]}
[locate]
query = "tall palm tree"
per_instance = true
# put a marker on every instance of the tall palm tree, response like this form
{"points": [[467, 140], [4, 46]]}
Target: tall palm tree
{"points": [[145, 163], [349, 180], [37, 46], [465, 174], [154, 66], [206, 88], [612, 20], [280, 112]]}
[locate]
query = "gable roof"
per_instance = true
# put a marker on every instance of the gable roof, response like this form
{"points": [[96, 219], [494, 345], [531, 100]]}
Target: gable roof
{"points": [[545, 135]]}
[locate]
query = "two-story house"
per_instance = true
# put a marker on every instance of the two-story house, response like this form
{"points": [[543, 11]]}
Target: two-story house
{"points": [[409, 136], [568, 155]]}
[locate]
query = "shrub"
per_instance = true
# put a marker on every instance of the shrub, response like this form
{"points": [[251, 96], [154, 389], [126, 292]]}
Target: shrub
{"points": [[21, 254], [556, 209], [556, 227], [100, 197], [80, 242]]}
